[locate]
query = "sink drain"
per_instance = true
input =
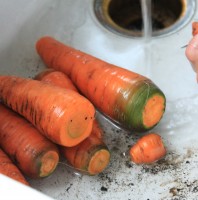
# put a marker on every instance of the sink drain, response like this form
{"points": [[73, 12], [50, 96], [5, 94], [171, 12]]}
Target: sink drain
{"points": [[125, 16]]}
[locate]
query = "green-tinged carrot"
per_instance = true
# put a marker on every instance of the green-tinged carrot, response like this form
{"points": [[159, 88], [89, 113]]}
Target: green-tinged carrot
{"points": [[91, 155], [128, 98], [148, 149], [8, 168], [63, 116], [33, 153]]}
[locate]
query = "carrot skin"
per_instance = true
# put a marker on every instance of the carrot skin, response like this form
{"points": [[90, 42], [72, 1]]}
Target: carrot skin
{"points": [[114, 91], [33, 153], [8, 168], [55, 78], [63, 116], [148, 149], [91, 155]]}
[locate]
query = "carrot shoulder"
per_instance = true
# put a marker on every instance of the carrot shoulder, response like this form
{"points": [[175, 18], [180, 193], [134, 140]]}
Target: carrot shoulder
{"points": [[64, 116], [7, 168], [91, 155], [128, 98], [33, 153]]}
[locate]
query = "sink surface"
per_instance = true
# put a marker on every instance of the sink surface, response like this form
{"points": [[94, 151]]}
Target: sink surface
{"points": [[161, 59]]}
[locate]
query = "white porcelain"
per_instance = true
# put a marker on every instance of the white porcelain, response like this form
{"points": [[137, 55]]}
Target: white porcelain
{"points": [[163, 60]]}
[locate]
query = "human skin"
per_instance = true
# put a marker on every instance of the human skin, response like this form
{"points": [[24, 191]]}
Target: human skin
{"points": [[192, 53]]}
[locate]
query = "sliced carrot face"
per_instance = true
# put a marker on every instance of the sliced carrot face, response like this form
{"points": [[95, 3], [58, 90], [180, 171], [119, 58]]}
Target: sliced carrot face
{"points": [[99, 161], [153, 110], [49, 162]]}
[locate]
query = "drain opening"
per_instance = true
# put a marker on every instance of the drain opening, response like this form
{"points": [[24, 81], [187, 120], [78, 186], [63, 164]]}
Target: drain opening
{"points": [[125, 16]]}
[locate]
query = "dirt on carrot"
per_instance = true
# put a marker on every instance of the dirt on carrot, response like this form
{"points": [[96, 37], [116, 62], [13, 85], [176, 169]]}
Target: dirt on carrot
{"points": [[63, 116], [8, 168], [92, 155], [33, 153], [148, 149], [126, 97]]}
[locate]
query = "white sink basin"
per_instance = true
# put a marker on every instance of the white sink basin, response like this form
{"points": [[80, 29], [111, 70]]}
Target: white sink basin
{"points": [[163, 60]]}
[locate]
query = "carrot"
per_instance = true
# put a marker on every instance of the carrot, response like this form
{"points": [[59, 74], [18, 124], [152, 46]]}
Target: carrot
{"points": [[91, 155], [33, 153], [63, 116], [7, 168], [128, 98], [194, 28], [148, 149], [56, 78]]}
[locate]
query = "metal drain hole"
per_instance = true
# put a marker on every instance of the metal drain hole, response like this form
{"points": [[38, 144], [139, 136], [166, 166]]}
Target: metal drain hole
{"points": [[125, 16]]}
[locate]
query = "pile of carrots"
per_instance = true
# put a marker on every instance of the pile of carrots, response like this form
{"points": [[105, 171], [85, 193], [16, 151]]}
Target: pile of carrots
{"points": [[53, 114]]}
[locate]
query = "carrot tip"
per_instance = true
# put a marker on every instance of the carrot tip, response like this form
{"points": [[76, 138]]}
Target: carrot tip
{"points": [[99, 162], [49, 162]]}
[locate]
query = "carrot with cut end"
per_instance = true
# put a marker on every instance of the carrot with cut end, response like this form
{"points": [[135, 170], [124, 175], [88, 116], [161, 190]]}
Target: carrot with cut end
{"points": [[91, 155], [148, 149], [8, 168], [63, 116], [33, 153], [128, 98]]}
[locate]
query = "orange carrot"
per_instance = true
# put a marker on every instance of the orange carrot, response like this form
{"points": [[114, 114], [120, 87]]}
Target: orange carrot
{"points": [[148, 149], [56, 78], [91, 155], [63, 116], [194, 28], [33, 153], [7, 168], [128, 98]]}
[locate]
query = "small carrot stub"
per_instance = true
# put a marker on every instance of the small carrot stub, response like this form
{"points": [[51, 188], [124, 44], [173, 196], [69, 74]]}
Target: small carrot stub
{"points": [[92, 155], [63, 116], [34, 154], [148, 149], [120, 94], [8, 168]]}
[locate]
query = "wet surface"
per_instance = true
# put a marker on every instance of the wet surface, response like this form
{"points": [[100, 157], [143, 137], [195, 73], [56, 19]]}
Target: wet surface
{"points": [[175, 176]]}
